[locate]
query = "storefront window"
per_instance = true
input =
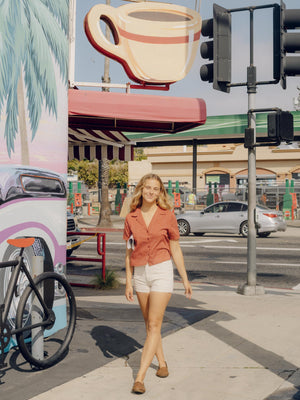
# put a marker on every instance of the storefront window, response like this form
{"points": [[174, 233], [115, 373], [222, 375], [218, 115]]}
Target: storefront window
{"points": [[220, 179]]}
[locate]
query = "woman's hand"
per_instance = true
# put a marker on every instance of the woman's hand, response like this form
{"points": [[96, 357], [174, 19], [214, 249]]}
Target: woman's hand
{"points": [[129, 272], [179, 262], [129, 292], [188, 290]]}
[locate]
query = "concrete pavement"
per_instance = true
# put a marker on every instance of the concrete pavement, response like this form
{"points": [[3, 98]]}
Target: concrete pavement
{"points": [[227, 347]]}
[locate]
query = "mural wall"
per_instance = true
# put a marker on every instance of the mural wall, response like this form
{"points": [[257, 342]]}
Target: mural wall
{"points": [[33, 129]]}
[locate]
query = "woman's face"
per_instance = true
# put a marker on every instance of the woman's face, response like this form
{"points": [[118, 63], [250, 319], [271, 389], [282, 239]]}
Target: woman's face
{"points": [[151, 190]]}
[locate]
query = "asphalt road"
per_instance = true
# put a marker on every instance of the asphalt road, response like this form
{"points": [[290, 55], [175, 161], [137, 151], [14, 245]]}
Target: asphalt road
{"points": [[213, 258]]}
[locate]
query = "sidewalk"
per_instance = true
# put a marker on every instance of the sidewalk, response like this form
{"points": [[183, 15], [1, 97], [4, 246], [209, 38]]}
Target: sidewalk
{"points": [[89, 223], [227, 347]]}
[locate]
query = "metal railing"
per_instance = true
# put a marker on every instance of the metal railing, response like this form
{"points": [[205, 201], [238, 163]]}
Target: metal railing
{"points": [[101, 249]]}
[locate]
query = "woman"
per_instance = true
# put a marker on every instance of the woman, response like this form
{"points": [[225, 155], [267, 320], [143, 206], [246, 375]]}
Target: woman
{"points": [[152, 239]]}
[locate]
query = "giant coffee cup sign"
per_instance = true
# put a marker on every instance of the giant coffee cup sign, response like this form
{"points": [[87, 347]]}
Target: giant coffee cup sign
{"points": [[155, 42]]}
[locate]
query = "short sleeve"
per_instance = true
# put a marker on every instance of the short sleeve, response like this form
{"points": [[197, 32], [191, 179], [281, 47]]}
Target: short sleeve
{"points": [[127, 231], [173, 227]]}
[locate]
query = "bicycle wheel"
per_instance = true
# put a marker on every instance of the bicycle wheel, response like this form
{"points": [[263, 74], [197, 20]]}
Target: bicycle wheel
{"points": [[12, 253], [48, 342]]}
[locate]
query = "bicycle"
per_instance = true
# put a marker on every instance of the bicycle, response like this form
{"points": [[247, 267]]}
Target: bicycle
{"points": [[44, 322]]}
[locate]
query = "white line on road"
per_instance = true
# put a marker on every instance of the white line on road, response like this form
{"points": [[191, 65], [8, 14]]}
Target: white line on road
{"points": [[257, 248], [194, 243], [228, 262], [188, 242], [272, 264], [209, 241]]}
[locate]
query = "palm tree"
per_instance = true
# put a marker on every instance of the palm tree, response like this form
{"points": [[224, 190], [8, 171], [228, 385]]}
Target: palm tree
{"points": [[33, 38], [105, 210]]}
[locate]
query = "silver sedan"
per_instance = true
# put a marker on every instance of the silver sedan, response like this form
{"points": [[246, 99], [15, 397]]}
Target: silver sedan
{"points": [[229, 217]]}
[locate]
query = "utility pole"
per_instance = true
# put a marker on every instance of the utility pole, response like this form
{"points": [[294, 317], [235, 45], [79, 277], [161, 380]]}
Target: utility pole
{"points": [[105, 77], [194, 188], [72, 31]]}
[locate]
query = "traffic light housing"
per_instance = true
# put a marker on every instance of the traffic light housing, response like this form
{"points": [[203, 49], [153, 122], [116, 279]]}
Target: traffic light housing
{"points": [[218, 49], [285, 42], [281, 126]]}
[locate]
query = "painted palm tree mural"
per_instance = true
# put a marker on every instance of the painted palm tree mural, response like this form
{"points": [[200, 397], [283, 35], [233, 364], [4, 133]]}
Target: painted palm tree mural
{"points": [[33, 44]]}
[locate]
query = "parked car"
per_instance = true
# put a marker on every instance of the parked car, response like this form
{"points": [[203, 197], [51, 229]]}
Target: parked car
{"points": [[229, 217], [72, 240]]}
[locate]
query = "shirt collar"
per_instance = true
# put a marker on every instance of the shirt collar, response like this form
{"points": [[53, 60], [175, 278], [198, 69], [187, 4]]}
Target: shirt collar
{"points": [[137, 212]]}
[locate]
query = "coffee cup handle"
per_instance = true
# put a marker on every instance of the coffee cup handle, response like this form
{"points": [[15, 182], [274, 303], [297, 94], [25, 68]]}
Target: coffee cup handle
{"points": [[95, 35]]}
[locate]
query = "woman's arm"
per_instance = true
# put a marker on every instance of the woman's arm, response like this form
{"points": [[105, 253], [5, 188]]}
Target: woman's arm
{"points": [[179, 262], [129, 272]]}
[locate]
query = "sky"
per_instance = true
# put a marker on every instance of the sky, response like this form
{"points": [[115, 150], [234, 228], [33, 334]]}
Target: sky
{"points": [[89, 64]]}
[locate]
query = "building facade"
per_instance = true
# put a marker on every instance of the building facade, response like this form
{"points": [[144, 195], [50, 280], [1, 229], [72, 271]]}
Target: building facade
{"points": [[225, 164]]}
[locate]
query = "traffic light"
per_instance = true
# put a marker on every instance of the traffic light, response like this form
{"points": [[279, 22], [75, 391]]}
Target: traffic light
{"points": [[218, 49], [281, 126], [285, 42]]}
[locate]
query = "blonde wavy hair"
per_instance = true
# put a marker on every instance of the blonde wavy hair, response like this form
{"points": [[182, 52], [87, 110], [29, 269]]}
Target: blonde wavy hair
{"points": [[164, 201]]}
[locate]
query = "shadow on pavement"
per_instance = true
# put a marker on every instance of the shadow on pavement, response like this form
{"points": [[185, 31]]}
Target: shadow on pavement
{"points": [[114, 343]]}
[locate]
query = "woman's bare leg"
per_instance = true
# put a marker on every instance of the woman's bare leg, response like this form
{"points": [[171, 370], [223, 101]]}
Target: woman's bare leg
{"points": [[143, 299], [153, 307]]}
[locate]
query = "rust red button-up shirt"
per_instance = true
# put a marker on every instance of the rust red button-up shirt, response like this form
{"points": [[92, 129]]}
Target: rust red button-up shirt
{"points": [[151, 245]]}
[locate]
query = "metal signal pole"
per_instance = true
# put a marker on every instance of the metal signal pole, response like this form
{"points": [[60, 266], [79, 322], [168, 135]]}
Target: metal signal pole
{"points": [[251, 288]]}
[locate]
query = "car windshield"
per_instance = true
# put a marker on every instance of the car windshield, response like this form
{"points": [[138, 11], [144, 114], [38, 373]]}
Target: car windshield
{"points": [[38, 184]]}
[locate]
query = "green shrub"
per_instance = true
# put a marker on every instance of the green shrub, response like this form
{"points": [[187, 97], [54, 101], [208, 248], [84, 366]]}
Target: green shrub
{"points": [[110, 282]]}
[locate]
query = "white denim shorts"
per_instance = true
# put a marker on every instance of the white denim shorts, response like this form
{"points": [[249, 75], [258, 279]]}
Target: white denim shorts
{"points": [[154, 278]]}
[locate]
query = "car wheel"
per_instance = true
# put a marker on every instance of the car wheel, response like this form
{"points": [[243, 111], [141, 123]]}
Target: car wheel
{"points": [[244, 229], [198, 233], [264, 234], [183, 227]]}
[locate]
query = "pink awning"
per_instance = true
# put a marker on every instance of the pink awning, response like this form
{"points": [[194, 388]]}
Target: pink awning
{"points": [[134, 112]]}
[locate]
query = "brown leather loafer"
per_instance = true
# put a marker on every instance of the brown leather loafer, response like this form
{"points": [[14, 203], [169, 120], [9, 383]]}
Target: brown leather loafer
{"points": [[138, 388], [162, 372]]}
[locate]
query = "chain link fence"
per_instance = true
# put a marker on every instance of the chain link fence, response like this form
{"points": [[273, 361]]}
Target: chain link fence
{"points": [[269, 195]]}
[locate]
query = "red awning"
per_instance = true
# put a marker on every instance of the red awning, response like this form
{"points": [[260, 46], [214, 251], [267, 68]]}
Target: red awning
{"points": [[134, 112], [97, 120]]}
